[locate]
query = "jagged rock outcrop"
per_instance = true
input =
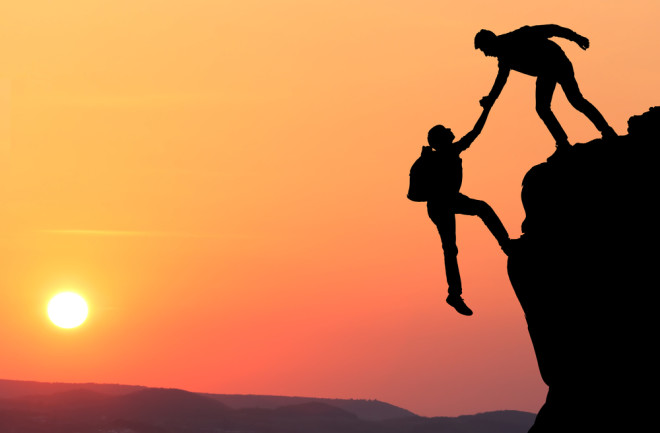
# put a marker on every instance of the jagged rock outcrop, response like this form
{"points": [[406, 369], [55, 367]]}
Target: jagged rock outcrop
{"points": [[584, 273]]}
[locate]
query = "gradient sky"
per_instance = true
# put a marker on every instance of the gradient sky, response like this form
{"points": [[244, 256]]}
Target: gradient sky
{"points": [[225, 181]]}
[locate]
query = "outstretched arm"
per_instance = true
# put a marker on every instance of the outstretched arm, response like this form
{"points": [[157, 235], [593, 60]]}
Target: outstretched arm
{"points": [[500, 81], [466, 141], [553, 30]]}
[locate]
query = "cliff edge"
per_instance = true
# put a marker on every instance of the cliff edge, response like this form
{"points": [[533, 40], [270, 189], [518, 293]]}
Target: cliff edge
{"points": [[584, 273]]}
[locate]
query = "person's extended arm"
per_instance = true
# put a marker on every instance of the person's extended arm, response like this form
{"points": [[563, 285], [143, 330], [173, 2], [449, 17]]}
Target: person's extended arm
{"points": [[500, 81], [553, 30], [466, 141]]}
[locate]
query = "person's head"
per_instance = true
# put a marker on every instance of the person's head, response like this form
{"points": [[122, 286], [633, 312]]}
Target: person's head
{"points": [[440, 137], [486, 41]]}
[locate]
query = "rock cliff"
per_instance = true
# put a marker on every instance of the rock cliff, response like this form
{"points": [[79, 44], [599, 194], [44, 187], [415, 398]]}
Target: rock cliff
{"points": [[584, 272]]}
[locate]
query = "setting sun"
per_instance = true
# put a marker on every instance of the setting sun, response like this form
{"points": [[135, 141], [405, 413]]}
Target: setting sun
{"points": [[67, 310]]}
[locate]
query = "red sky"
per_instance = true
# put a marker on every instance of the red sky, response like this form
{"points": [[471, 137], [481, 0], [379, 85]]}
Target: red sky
{"points": [[225, 181]]}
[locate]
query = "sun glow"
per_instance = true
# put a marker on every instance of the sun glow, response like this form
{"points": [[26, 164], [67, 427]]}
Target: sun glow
{"points": [[67, 310]]}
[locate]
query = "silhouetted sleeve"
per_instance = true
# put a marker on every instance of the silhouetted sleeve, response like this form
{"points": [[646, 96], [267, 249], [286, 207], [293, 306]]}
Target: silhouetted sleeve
{"points": [[500, 81], [552, 30], [469, 138]]}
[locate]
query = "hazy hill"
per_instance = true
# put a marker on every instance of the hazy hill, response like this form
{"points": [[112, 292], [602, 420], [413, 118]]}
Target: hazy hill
{"points": [[149, 407], [365, 409], [22, 388], [373, 410], [153, 410]]}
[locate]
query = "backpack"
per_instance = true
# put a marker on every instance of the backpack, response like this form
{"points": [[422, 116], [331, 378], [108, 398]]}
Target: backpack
{"points": [[421, 171]]}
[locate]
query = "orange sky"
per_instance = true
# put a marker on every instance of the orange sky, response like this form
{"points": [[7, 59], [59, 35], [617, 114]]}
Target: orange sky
{"points": [[224, 182]]}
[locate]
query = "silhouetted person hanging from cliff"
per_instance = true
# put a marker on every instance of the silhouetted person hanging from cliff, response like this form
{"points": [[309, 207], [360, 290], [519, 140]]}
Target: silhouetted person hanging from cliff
{"points": [[528, 50], [445, 201]]}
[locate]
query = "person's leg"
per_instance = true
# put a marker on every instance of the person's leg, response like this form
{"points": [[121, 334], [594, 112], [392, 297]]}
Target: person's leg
{"points": [[445, 220], [545, 87], [574, 96], [468, 206]]}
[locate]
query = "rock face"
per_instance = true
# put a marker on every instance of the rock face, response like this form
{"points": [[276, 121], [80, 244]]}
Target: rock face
{"points": [[584, 272]]}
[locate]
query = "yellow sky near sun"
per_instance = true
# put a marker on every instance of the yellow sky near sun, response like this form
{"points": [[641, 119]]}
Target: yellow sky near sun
{"points": [[225, 181]]}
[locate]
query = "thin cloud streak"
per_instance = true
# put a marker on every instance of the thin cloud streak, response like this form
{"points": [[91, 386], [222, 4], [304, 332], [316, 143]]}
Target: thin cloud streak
{"points": [[137, 233]]}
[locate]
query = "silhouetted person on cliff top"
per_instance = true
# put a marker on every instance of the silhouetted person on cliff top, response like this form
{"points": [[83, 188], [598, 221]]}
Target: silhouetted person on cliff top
{"points": [[445, 201], [528, 50]]}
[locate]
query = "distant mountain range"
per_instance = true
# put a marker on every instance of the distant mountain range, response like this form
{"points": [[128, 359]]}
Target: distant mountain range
{"points": [[35, 407]]}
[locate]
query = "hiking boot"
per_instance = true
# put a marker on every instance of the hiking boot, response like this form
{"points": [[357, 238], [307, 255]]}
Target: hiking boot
{"points": [[562, 149], [459, 305], [506, 247], [511, 246], [609, 134]]}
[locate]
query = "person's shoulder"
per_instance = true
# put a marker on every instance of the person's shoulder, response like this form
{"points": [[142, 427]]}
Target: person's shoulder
{"points": [[522, 32]]}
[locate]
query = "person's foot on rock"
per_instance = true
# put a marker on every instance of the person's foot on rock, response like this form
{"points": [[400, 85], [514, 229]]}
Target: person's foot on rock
{"points": [[506, 247], [609, 133], [511, 246], [562, 148], [459, 305]]}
